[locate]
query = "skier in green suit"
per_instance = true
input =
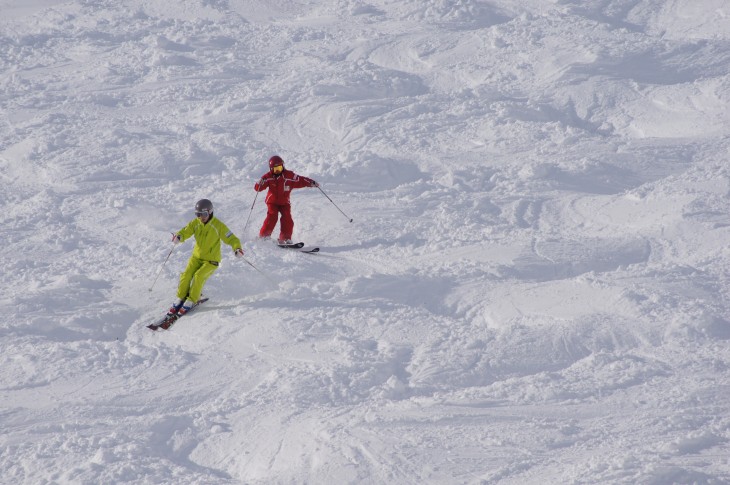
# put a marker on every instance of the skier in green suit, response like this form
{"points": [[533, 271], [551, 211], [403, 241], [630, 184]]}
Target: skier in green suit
{"points": [[208, 232]]}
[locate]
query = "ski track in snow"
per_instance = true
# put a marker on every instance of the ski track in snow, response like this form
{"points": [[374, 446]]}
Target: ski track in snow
{"points": [[533, 290]]}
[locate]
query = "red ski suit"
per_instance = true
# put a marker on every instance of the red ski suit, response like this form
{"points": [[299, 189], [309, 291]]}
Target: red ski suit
{"points": [[277, 200]]}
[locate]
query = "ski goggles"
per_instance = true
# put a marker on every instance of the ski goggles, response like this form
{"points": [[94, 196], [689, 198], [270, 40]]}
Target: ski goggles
{"points": [[278, 169], [203, 213]]}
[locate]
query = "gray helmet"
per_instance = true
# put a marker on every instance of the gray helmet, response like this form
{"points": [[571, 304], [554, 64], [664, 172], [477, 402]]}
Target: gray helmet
{"points": [[204, 207]]}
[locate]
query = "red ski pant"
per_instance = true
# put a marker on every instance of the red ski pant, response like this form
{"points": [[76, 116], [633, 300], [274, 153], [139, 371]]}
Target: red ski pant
{"points": [[272, 216]]}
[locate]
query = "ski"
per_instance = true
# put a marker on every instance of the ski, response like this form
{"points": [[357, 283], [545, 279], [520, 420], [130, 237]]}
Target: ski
{"points": [[169, 320], [299, 247]]}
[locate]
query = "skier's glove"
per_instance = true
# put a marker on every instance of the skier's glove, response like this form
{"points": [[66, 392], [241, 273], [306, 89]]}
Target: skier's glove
{"points": [[238, 252], [176, 239], [313, 183]]}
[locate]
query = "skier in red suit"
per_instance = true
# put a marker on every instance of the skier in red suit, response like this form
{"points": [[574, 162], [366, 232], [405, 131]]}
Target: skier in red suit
{"points": [[280, 183]]}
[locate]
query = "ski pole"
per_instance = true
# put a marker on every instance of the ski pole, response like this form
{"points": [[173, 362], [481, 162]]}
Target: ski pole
{"points": [[328, 197], [262, 273], [245, 226], [163, 265]]}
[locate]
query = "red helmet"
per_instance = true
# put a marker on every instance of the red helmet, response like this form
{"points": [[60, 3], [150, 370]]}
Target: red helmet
{"points": [[275, 161]]}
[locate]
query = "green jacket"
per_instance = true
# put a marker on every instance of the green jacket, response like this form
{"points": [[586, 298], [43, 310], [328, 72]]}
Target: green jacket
{"points": [[208, 238]]}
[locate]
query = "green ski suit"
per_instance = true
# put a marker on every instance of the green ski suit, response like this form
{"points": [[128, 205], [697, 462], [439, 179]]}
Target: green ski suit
{"points": [[206, 254]]}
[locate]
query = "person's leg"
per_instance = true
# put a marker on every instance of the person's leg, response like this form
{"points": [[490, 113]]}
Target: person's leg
{"points": [[186, 277], [201, 276], [272, 216], [287, 223]]}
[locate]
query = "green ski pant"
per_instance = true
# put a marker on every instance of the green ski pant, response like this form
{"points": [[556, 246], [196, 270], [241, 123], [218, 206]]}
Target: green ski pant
{"points": [[193, 278]]}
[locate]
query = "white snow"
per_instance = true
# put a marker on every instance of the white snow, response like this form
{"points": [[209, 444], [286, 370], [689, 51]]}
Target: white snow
{"points": [[534, 288]]}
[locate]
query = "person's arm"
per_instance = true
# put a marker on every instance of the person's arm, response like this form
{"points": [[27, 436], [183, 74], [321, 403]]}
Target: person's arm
{"points": [[299, 181], [228, 237], [187, 231], [262, 184]]}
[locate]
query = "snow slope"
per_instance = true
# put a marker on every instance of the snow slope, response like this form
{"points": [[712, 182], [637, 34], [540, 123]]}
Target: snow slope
{"points": [[534, 288]]}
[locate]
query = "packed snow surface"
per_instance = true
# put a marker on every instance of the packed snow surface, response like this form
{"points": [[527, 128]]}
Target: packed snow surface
{"points": [[534, 288]]}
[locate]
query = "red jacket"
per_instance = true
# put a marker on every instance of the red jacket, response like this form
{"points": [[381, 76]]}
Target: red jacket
{"points": [[280, 186]]}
